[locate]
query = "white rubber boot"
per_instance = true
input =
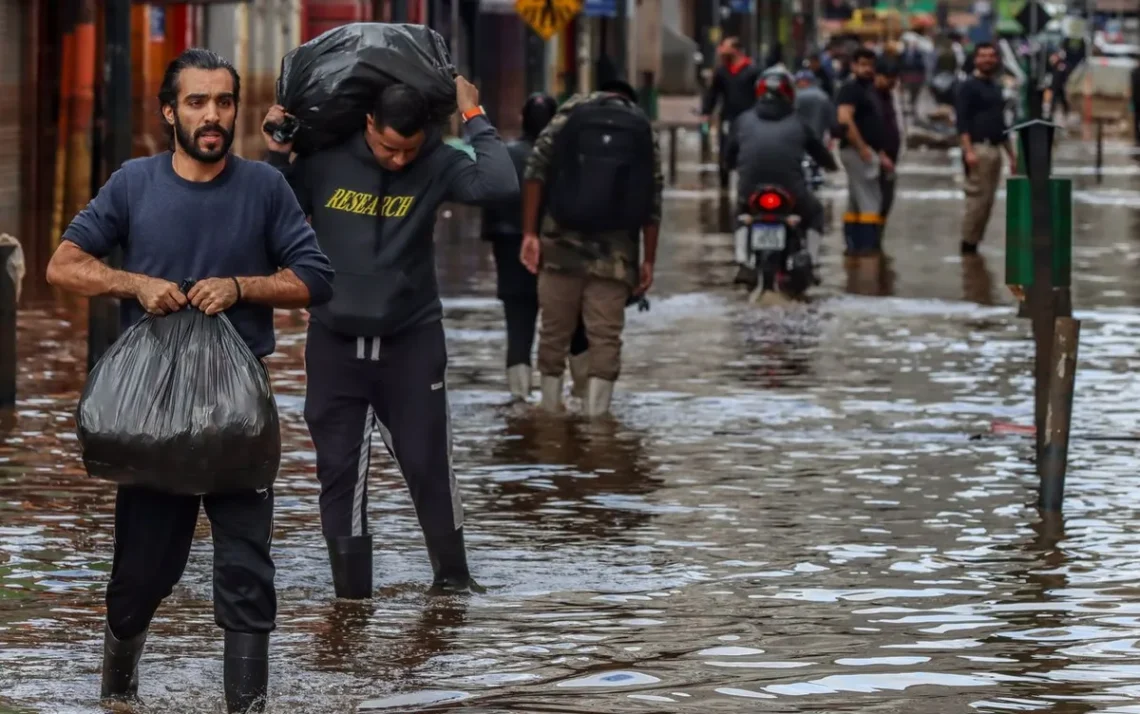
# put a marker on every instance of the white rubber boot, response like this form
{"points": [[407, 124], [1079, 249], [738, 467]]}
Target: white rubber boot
{"points": [[551, 394], [579, 374], [518, 381], [598, 397]]}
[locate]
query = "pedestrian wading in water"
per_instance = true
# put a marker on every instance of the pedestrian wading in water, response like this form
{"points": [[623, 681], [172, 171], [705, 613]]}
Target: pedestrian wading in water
{"points": [[234, 225], [593, 191], [375, 359], [980, 114], [517, 286]]}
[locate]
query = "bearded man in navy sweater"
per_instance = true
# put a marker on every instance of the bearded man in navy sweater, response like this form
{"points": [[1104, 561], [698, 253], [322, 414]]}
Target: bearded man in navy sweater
{"points": [[234, 225]]}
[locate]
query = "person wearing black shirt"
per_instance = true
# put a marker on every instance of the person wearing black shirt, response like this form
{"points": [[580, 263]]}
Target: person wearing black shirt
{"points": [[861, 151], [734, 86], [886, 81], [982, 133]]}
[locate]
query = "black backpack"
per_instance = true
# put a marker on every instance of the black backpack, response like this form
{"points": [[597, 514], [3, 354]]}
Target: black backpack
{"points": [[603, 169]]}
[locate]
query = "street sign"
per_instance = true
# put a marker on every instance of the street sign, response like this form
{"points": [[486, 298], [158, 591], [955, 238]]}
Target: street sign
{"points": [[601, 8], [548, 17], [1033, 22]]}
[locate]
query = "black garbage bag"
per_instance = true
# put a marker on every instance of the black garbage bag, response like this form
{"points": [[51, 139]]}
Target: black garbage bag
{"points": [[179, 404], [330, 83]]}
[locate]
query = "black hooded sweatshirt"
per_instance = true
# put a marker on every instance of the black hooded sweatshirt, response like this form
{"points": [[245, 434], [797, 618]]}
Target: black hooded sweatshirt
{"points": [[376, 226]]}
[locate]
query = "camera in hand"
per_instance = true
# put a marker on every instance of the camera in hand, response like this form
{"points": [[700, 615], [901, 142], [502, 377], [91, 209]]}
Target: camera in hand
{"points": [[282, 132]]}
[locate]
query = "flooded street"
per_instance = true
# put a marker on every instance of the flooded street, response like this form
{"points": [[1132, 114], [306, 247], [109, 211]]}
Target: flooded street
{"points": [[793, 511]]}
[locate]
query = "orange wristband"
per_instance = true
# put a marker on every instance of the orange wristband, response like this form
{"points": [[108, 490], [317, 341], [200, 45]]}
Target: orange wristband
{"points": [[472, 113]]}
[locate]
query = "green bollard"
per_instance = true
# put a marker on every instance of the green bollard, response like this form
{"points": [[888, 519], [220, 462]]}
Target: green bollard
{"points": [[1019, 233], [647, 96]]}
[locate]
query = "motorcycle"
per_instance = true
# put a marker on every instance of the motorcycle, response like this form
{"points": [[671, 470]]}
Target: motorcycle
{"points": [[774, 240]]}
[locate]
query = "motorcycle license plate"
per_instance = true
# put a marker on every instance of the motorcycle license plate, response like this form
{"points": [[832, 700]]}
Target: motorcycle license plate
{"points": [[769, 236]]}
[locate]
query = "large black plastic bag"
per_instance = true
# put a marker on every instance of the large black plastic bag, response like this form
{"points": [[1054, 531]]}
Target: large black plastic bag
{"points": [[331, 82], [179, 404]]}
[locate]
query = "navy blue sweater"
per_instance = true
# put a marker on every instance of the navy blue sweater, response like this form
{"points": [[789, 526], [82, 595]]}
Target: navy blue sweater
{"points": [[245, 222]]}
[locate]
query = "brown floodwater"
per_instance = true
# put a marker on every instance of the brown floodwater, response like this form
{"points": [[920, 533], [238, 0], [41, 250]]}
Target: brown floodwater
{"points": [[798, 510]]}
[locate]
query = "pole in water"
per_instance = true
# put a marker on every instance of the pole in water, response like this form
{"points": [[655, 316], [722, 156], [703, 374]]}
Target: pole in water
{"points": [[673, 154], [1039, 145], [1099, 150], [7, 331], [103, 321], [1054, 456]]}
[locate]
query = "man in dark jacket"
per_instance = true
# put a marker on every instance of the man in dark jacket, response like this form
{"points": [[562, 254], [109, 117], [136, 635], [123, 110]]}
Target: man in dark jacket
{"points": [[375, 357], [734, 87], [767, 146], [517, 286]]}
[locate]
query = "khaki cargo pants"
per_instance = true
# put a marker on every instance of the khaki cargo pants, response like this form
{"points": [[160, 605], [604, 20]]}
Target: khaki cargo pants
{"points": [[981, 187], [600, 302]]}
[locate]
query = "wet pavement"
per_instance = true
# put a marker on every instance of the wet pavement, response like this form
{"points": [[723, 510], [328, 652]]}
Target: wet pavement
{"points": [[788, 513]]}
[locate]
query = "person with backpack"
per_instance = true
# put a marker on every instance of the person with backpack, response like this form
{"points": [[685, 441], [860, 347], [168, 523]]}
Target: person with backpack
{"points": [[592, 189], [517, 287]]}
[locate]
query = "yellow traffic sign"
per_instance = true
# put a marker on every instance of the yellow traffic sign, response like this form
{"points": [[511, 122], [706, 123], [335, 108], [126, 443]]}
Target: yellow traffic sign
{"points": [[548, 17]]}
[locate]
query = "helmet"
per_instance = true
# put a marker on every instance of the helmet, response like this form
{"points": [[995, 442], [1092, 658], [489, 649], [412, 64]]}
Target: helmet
{"points": [[776, 85]]}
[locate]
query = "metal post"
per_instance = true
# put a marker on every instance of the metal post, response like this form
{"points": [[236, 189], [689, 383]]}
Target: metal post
{"points": [[1038, 147], [673, 154], [535, 62], [1053, 461], [103, 313], [7, 331], [620, 35], [1099, 150]]}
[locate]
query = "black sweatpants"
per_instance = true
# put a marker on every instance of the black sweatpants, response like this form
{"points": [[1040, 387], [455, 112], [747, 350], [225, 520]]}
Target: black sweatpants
{"points": [[522, 317], [398, 387], [153, 534]]}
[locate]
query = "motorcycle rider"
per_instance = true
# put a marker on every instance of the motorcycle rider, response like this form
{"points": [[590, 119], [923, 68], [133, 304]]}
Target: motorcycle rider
{"points": [[767, 146]]}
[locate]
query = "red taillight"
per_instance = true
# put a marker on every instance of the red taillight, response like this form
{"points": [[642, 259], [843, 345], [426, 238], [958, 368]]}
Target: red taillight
{"points": [[770, 201]]}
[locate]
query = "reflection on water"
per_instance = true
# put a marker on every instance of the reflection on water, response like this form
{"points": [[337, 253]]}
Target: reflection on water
{"points": [[786, 514]]}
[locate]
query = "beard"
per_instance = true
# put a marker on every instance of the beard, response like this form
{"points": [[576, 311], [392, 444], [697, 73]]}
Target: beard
{"points": [[189, 143]]}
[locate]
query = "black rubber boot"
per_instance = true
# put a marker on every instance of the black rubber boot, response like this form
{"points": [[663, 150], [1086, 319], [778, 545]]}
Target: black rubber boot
{"points": [[245, 672], [449, 564], [121, 666], [351, 560]]}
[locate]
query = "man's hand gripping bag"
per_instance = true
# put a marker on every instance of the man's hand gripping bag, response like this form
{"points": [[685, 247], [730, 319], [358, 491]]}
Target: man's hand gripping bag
{"points": [[180, 404]]}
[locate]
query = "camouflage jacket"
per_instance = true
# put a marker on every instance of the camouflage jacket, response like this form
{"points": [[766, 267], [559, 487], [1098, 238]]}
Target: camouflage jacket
{"points": [[614, 256]]}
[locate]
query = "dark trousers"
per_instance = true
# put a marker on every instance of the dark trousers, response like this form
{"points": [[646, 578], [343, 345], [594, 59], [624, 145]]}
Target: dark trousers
{"points": [[153, 533], [394, 385], [518, 289], [522, 317], [888, 181]]}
